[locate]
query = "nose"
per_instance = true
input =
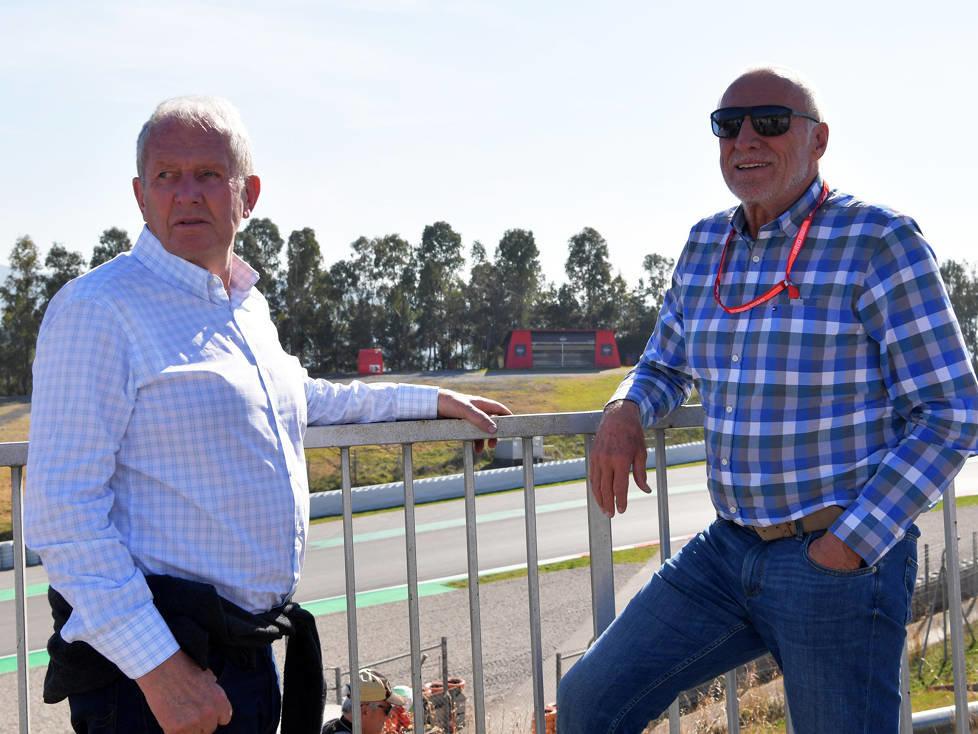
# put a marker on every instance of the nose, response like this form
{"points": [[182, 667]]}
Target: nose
{"points": [[747, 137], [188, 189]]}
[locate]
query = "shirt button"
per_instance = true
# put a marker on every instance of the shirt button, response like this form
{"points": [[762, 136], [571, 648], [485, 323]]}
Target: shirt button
{"points": [[756, 258], [730, 409], [732, 508], [735, 358], [724, 462]]}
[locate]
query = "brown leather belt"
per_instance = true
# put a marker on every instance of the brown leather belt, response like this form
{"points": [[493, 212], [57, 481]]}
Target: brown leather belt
{"points": [[818, 520]]}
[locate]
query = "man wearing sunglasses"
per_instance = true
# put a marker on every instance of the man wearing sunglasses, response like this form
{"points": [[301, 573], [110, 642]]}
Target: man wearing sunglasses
{"points": [[840, 401], [377, 700]]}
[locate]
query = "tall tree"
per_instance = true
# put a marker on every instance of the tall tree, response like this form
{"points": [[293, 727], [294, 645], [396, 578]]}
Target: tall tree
{"points": [[658, 274], [23, 297], [640, 306], [517, 263], [111, 242], [302, 277], [589, 272], [329, 334], [63, 265], [557, 308], [260, 245], [393, 283], [439, 258], [484, 308], [961, 281]]}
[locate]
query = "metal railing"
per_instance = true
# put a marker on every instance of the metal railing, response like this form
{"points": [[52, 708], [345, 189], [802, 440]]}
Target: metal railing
{"points": [[407, 434]]}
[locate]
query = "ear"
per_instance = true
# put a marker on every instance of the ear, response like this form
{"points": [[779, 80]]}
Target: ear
{"points": [[252, 188], [137, 189], [821, 139]]}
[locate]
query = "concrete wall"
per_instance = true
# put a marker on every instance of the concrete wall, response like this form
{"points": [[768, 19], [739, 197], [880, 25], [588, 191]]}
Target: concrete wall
{"points": [[383, 496]]}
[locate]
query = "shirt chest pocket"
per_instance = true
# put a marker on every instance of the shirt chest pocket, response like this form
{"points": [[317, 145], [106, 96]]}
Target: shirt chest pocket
{"points": [[807, 339], [816, 340]]}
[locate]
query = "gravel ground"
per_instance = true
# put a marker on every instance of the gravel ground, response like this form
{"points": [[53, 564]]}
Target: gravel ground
{"points": [[565, 599]]}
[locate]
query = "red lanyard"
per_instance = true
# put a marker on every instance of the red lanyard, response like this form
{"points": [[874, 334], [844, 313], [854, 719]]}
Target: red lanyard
{"points": [[786, 283]]}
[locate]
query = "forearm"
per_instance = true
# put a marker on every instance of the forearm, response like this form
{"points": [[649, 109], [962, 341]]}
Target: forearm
{"points": [[910, 479], [360, 402]]}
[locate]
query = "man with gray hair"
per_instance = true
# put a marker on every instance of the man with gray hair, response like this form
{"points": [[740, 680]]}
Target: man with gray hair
{"points": [[166, 488], [839, 403]]}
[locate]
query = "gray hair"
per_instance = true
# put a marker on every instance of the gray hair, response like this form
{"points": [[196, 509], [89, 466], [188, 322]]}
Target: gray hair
{"points": [[208, 113]]}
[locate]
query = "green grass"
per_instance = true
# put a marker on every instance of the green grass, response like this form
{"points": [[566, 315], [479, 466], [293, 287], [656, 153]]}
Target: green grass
{"points": [[641, 554], [967, 501], [936, 688]]}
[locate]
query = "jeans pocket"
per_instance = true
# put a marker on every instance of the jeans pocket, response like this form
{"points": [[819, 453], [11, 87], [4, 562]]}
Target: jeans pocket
{"points": [[837, 572]]}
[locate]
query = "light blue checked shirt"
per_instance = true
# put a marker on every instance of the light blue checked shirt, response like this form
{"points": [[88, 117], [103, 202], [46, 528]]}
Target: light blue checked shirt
{"points": [[166, 438], [860, 393]]}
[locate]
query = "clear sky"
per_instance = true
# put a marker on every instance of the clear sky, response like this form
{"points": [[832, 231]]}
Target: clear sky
{"points": [[371, 117]]}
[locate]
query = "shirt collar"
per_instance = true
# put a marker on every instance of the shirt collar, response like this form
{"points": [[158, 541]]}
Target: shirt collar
{"points": [[189, 277], [790, 221]]}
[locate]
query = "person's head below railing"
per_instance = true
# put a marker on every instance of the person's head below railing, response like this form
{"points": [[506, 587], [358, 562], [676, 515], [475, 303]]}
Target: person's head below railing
{"points": [[378, 701], [166, 484], [839, 403]]}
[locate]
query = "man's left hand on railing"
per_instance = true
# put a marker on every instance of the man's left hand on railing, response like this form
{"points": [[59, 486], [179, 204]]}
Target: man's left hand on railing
{"points": [[618, 447], [473, 408]]}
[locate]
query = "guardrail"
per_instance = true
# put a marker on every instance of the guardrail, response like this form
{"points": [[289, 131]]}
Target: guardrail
{"points": [[524, 427]]}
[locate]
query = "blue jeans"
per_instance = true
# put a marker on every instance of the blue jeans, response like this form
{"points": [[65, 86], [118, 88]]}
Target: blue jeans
{"points": [[729, 597], [121, 708]]}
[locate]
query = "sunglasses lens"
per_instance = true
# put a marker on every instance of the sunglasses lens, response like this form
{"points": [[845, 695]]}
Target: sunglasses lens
{"points": [[772, 124], [725, 124]]}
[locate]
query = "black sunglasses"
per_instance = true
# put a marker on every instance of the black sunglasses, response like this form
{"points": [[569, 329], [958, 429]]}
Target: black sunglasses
{"points": [[768, 120]]}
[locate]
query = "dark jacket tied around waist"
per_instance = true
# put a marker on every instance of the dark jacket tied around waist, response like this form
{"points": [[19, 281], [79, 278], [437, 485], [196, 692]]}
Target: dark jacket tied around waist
{"points": [[202, 620]]}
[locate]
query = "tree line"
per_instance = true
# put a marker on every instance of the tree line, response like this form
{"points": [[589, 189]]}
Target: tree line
{"points": [[425, 304], [416, 302]]}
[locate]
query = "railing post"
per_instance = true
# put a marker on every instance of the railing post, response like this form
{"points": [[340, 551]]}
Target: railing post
{"points": [[351, 590], [599, 546], [533, 583], [475, 609], [411, 550], [665, 543], [732, 703], [444, 665], [20, 595], [953, 576], [906, 706]]}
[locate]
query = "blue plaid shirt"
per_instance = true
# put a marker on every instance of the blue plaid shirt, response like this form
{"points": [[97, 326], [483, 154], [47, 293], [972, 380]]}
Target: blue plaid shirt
{"points": [[860, 393], [166, 438]]}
